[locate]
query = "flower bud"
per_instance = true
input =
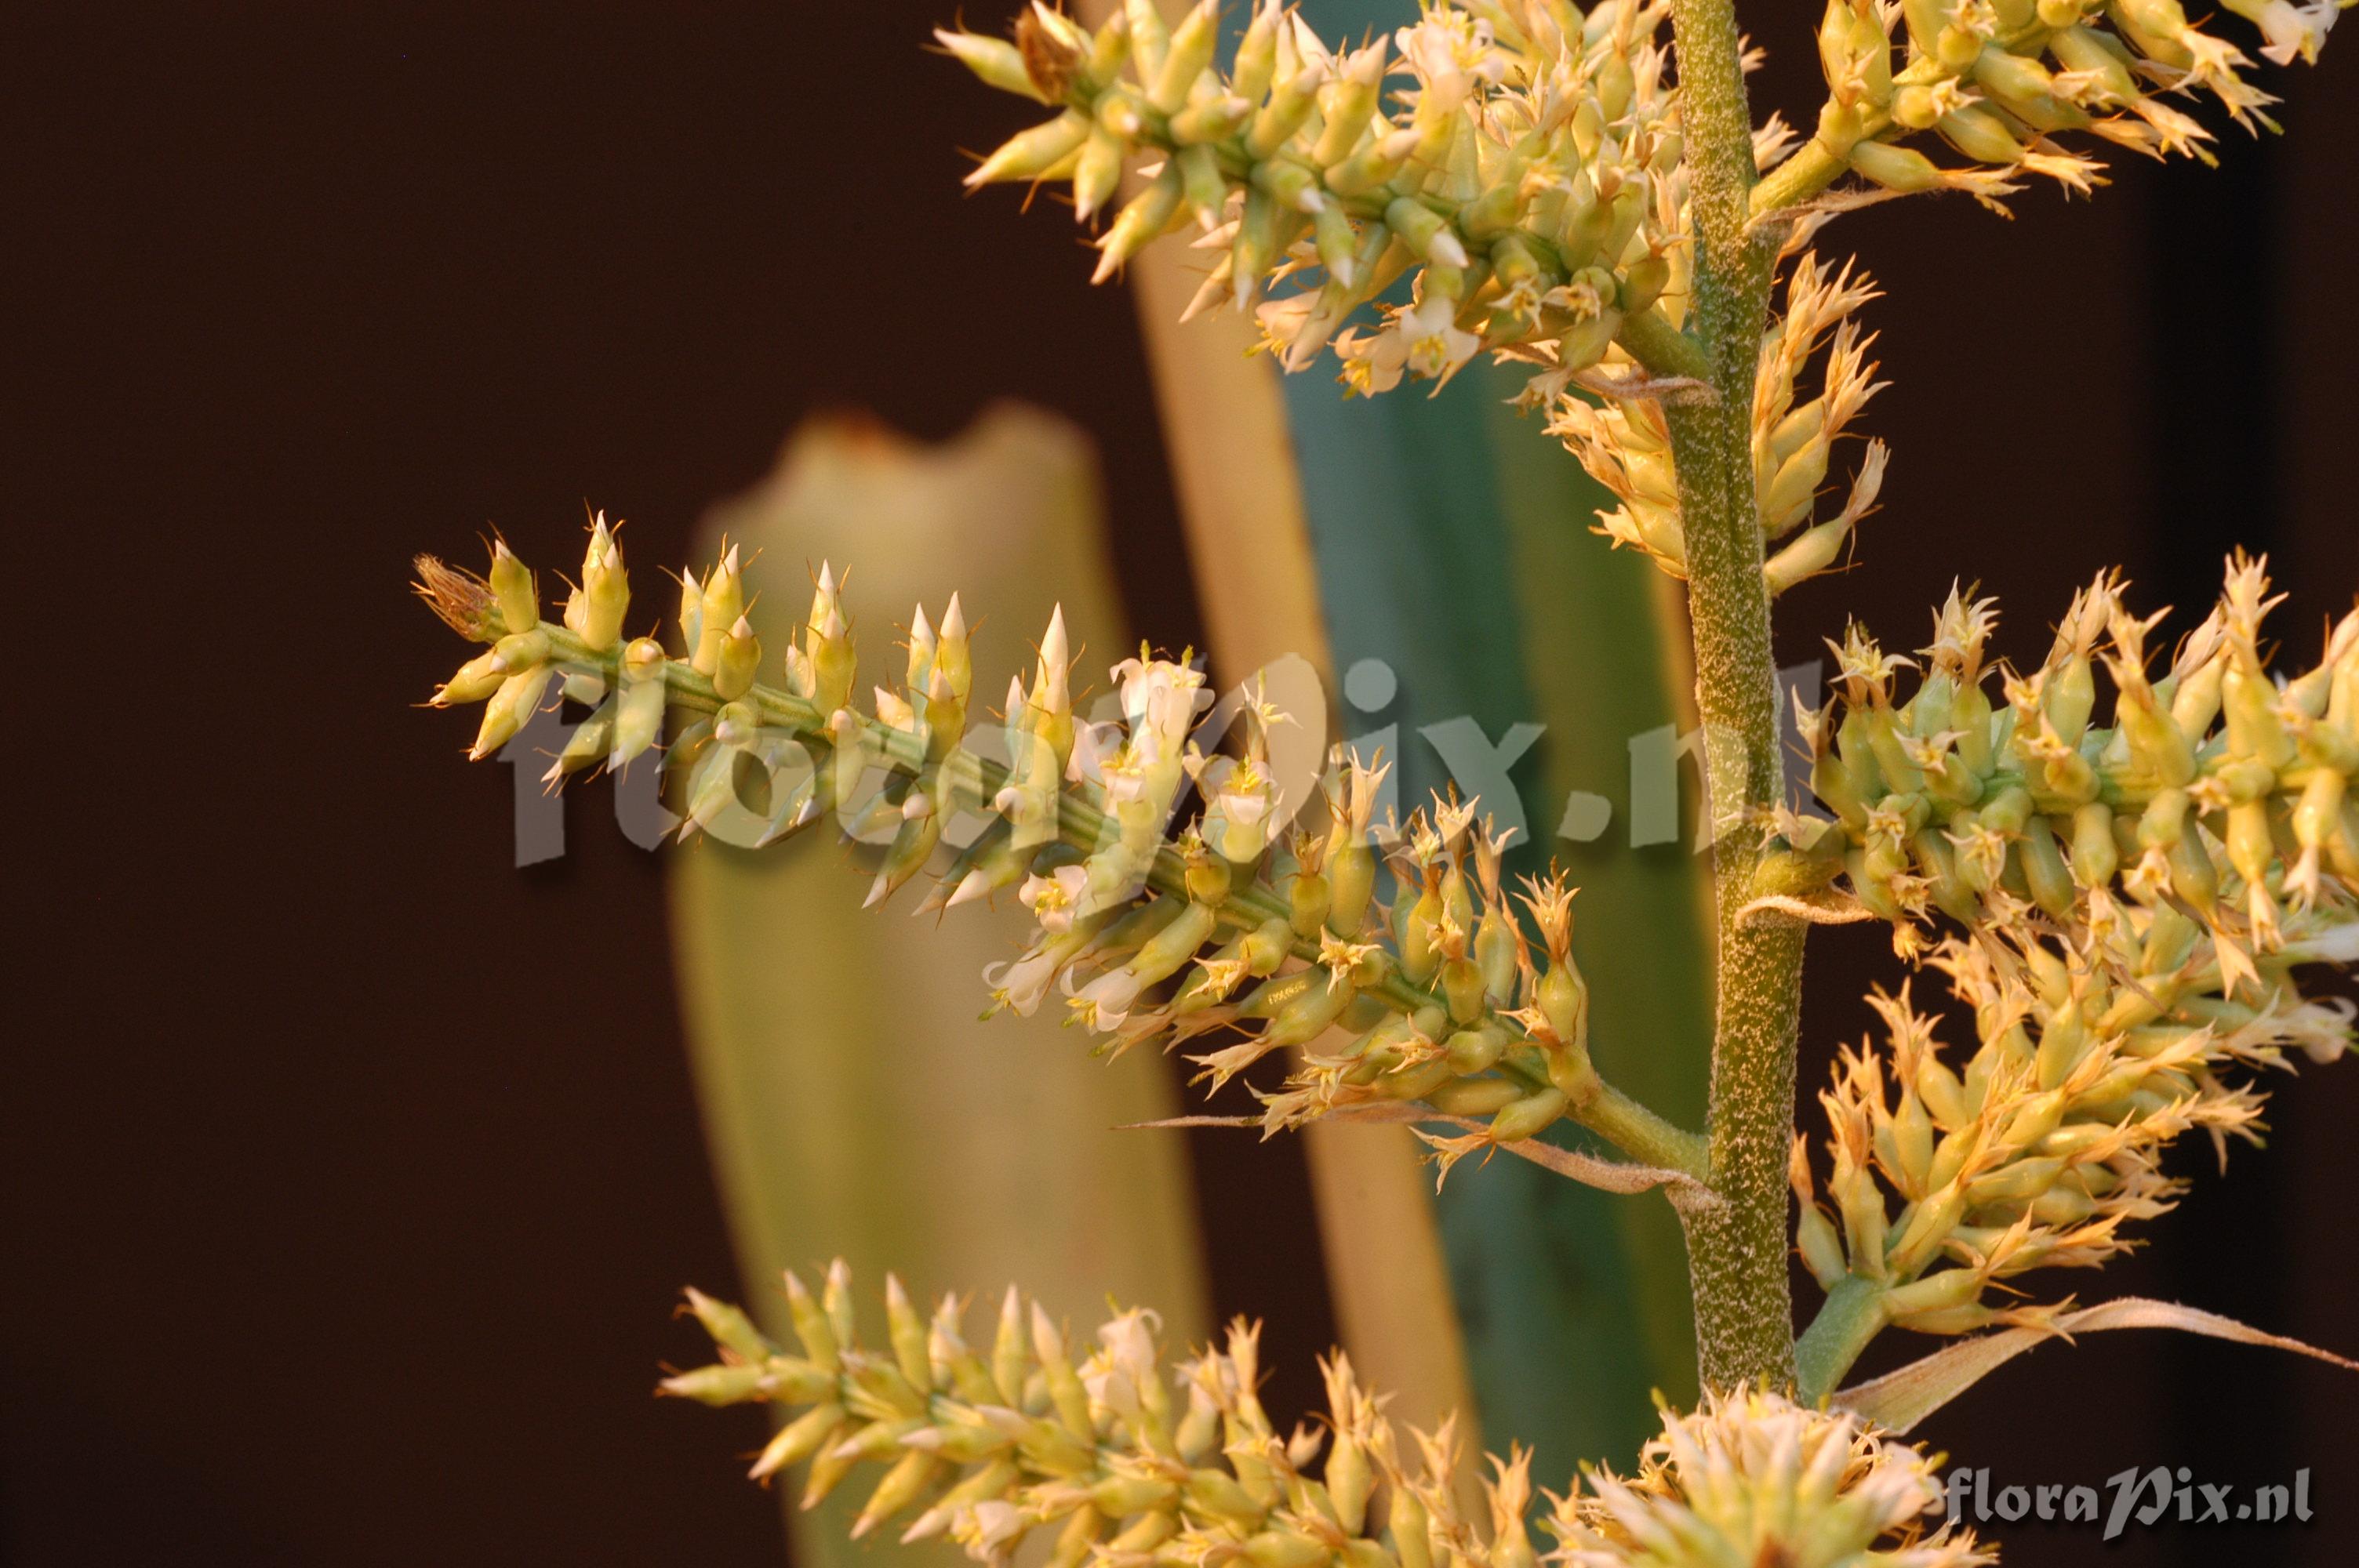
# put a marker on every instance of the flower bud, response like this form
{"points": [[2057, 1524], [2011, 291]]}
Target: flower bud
{"points": [[902, 1485], [1945, 1290], [1462, 984], [1305, 1015], [521, 650], [722, 601], [592, 742], [738, 661], [1564, 1001], [475, 680], [2095, 855], [1894, 168], [1256, 56], [918, 672], [1255, 248], [1286, 110], [1937, 861], [1097, 171], [2317, 812], [1030, 155], [1218, 1493], [1417, 917], [800, 792], [1425, 231], [835, 1301], [1643, 282], [836, 1459], [2252, 847], [1146, 216], [1187, 55], [510, 709], [913, 842], [1524, 1117], [716, 1386], [1267, 946], [737, 724], [1471, 1051], [1809, 553], [1496, 952], [605, 588], [2256, 728], [1820, 1247], [730, 1327], [713, 783], [691, 610], [1350, 1481], [1351, 884], [907, 1331], [1164, 954], [639, 711], [1586, 343], [997, 62], [513, 585], [2095, 59], [1958, 46], [2193, 877], [1194, 130], [2044, 868], [1348, 107], [1374, 164], [799, 1440], [2156, 28], [1201, 184], [1980, 134], [1109, 49]]}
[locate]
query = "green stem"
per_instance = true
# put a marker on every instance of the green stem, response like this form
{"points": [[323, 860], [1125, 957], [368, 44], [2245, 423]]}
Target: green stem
{"points": [[1810, 170], [1852, 1316], [1662, 348], [1736, 1248], [1639, 1133]]}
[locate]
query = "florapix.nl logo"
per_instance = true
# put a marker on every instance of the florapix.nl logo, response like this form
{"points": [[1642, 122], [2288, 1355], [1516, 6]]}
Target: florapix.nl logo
{"points": [[1475, 763], [2155, 1497]]}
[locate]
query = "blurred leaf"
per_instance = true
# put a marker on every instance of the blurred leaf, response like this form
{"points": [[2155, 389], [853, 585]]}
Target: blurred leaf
{"points": [[854, 1104], [1226, 431], [1453, 544]]}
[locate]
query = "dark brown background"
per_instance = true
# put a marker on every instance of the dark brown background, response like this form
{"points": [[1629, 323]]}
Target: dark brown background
{"points": [[348, 1173]]}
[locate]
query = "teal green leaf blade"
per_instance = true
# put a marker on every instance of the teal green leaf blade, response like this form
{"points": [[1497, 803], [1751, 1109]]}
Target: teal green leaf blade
{"points": [[1453, 544]]}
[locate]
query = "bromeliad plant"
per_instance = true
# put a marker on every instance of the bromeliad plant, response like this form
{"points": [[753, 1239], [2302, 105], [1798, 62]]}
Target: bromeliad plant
{"points": [[2124, 910]]}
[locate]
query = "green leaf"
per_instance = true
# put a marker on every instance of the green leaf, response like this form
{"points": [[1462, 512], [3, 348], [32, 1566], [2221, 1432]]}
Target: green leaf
{"points": [[855, 1105], [1453, 546]]}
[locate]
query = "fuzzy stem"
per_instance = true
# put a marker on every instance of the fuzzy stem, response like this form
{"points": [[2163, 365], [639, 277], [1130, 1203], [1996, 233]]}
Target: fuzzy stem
{"points": [[1736, 1248], [1852, 1316]]}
